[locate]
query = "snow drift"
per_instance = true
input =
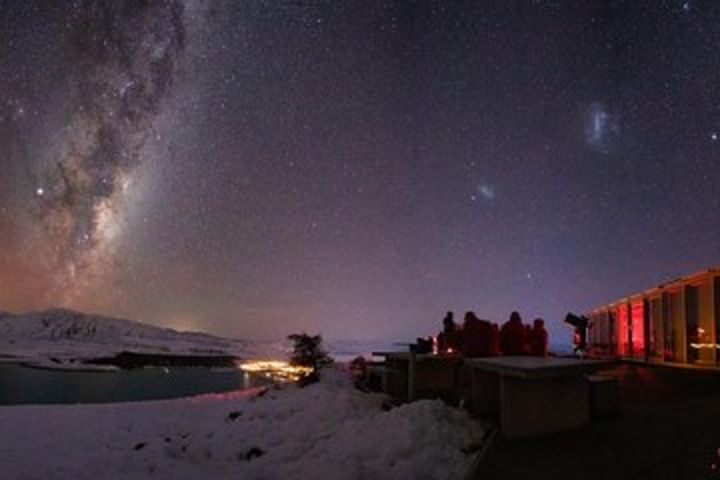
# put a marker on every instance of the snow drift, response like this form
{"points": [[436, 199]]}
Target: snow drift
{"points": [[326, 430]]}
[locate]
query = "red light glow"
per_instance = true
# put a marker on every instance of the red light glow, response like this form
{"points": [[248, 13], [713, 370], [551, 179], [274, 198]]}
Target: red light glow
{"points": [[622, 329], [637, 310]]}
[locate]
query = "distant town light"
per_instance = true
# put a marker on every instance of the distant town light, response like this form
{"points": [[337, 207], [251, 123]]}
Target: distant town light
{"points": [[276, 369]]}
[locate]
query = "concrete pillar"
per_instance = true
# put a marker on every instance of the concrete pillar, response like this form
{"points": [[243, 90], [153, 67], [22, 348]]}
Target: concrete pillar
{"points": [[543, 405], [485, 393]]}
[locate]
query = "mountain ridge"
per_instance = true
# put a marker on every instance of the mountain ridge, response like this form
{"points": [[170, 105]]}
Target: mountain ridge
{"points": [[67, 337]]}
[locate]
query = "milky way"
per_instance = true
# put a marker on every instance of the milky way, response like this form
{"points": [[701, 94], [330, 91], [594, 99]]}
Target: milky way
{"points": [[124, 56], [127, 54]]}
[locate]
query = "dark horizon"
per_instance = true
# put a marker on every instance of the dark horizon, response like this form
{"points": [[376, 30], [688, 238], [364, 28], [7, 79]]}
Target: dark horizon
{"points": [[354, 169]]}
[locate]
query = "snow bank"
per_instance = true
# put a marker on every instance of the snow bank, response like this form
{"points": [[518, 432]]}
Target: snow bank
{"points": [[327, 430]]}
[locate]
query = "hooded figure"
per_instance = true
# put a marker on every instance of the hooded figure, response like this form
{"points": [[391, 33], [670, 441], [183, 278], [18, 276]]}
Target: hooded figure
{"points": [[477, 336], [538, 338], [512, 336]]}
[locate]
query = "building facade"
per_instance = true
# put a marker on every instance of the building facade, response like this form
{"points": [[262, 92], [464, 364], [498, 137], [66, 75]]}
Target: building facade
{"points": [[675, 323]]}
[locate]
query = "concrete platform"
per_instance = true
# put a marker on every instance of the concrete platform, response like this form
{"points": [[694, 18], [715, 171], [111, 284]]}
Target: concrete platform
{"points": [[532, 395], [669, 427]]}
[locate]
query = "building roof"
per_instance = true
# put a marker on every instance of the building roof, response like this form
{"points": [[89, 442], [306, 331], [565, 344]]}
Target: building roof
{"points": [[677, 282]]}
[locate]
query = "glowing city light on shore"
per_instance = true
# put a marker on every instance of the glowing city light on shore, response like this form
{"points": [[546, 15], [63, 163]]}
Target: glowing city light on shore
{"points": [[276, 369]]}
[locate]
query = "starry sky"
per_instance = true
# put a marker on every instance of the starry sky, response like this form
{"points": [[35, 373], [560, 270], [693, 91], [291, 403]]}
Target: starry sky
{"points": [[254, 168]]}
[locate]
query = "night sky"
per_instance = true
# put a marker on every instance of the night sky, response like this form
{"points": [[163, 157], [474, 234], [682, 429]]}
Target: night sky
{"points": [[355, 168]]}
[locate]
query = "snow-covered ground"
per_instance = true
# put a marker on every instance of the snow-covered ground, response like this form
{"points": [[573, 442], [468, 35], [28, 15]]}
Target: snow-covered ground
{"points": [[328, 430], [63, 339]]}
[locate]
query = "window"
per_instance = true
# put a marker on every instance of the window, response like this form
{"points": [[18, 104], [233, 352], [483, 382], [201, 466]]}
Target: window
{"points": [[637, 328], [623, 330], [655, 347]]}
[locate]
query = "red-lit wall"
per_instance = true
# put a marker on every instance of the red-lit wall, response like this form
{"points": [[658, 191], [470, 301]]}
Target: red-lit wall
{"points": [[637, 312], [622, 329]]}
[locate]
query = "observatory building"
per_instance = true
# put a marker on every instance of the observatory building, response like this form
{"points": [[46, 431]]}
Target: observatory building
{"points": [[677, 322]]}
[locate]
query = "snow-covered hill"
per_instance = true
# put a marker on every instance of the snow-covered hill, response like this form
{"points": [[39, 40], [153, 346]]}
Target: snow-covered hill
{"points": [[65, 338]]}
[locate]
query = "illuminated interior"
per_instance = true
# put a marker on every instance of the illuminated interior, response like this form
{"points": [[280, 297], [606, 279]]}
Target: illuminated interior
{"points": [[637, 327], [676, 322], [622, 329]]}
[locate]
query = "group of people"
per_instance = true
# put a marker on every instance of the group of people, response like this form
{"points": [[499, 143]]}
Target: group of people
{"points": [[481, 338]]}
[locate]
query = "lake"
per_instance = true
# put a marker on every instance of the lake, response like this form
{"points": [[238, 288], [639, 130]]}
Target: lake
{"points": [[25, 385]]}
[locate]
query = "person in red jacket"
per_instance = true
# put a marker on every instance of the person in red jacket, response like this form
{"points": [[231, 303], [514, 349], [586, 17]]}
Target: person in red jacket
{"points": [[538, 338], [512, 336], [477, 336]]}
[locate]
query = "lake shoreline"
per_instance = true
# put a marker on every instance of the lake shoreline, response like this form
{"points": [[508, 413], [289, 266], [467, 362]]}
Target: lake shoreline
{"points": [[22, 383], [126, 360]]}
